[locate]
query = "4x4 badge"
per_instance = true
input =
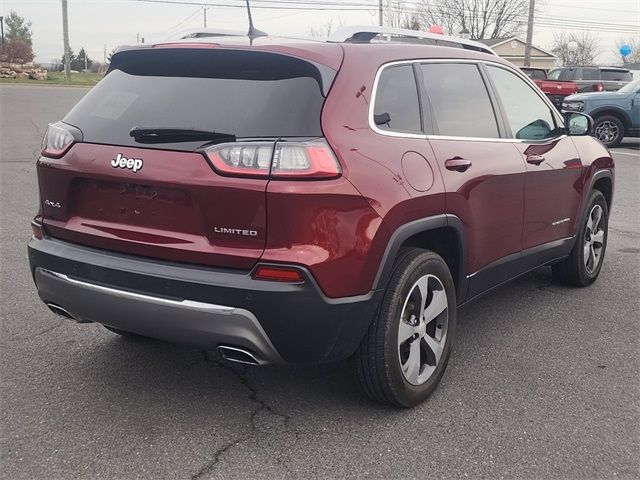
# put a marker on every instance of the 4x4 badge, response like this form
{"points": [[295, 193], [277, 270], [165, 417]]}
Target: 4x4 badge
{"points": [[121, 161]]}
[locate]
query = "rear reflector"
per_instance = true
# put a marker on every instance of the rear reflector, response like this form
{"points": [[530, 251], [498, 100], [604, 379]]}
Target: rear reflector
{"points": [[292, 160], [278, 274], [36, 229]]}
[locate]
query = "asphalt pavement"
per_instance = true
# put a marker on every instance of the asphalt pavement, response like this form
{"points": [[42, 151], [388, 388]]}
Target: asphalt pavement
{"points": [[544, 380]]}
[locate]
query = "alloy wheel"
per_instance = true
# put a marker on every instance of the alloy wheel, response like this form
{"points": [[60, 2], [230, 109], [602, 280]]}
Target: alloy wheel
{"points": [[593, 239], [422, 331], [607, 132]]}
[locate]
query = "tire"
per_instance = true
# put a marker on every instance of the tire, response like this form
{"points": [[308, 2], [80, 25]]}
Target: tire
{"points": [[609, 130], [576, 269], [123, 333], [384, 364]]}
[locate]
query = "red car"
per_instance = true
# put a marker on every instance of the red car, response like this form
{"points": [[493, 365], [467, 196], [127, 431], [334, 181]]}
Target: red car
{"points": [[555, 90], [289, 201]]}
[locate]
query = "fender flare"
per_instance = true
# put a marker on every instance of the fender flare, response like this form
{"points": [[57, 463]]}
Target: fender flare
{"points": [[599, 174], [403, 232]]}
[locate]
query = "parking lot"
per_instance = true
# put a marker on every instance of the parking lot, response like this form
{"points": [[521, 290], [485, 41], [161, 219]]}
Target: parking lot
{"points": [[543, 381]]}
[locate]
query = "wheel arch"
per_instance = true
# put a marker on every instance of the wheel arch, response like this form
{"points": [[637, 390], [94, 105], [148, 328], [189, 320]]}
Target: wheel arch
{"points": [[603, 181], [443, 234], [604, 184], [614, 112]]}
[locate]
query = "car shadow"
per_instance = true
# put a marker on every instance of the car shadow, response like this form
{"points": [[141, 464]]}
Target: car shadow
{"points": [[135, 367]]}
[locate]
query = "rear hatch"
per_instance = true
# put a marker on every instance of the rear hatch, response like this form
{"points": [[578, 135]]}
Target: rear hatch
{"points": [[158, 193]]}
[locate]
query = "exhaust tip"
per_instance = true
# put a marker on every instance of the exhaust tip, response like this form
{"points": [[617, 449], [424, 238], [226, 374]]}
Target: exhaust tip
{"points": [[238, 355], [58, 310], [63, 312]]}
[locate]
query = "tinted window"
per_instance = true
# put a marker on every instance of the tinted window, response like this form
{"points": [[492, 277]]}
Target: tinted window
{"points": [[236, 92], [535, 73], [459, 100], [589, 74], [528, 115], [397, 106], [617, 75], [555, 74], [568, 74]]}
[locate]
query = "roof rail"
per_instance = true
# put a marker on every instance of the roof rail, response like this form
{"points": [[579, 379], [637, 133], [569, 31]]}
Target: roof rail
{"points": [[366, 33]]}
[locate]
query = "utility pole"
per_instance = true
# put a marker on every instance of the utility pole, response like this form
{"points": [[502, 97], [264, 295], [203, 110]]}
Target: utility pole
{"points": [[2, 32], [380, 12], [205, 16], [104, 54], [65, 38], [527, 48]]}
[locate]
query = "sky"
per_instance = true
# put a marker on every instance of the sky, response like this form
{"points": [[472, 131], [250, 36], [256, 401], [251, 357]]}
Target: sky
{"points": [[101, 25]]}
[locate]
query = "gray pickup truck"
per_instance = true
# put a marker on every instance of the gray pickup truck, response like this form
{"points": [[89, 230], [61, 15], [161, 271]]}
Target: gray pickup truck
{"points": [[593, 79]]}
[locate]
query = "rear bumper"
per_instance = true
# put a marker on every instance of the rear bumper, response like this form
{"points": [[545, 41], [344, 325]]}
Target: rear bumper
{"points": [[200, 306]]}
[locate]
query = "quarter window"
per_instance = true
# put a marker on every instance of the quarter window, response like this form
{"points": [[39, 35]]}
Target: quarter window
{"points": [[459, 100], [397, 107], [528, 115], [616, 75]]}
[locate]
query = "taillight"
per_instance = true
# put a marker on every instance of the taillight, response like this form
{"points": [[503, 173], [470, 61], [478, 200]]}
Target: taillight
{"points": [[58, 139], [242, 159], [292, 160], [278, 274], [304, 160]]}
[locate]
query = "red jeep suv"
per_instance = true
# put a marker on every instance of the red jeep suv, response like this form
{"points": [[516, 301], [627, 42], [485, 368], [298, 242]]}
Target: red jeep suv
{"points": [[292, 201]]}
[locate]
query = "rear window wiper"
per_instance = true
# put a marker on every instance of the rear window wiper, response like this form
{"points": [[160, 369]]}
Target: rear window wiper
{"points": [[173, 135]]}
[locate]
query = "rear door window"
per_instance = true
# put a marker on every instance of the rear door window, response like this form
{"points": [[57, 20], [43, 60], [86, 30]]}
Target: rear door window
{"points": [[459, 100], [565, 74], [397, 107], [589, 74], [242, 93], [529, 117]]}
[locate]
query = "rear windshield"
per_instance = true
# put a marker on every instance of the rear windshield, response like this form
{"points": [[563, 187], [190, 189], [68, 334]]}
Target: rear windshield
{"points": [[617, 75], [241, 93]]}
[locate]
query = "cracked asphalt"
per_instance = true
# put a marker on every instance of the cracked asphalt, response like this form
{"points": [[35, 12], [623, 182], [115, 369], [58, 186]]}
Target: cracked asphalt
{"points": [[543, 381]]}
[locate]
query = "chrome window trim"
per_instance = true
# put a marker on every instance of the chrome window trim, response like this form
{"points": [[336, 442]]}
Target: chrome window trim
{"points": [[500, 140], [390, 133], [372, 104]]}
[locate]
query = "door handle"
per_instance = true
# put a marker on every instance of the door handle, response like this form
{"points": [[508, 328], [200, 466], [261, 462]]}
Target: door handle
{"points": [[457, 164], [535, 159]]}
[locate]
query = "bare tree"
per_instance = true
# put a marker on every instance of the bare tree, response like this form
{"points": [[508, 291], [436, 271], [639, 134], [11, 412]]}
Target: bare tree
{"points": [[326, 29], [585, 54], [482, 18], [411, 22], [18, 51], [398, 16], [634, 56]]}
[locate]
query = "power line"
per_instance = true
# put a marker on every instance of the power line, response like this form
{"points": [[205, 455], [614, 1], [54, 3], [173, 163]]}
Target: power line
{"points": [[301, 5]]}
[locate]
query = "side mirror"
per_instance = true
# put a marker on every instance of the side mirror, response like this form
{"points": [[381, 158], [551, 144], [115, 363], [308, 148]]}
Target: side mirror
{"points": [[382, 118], [578, 124]]}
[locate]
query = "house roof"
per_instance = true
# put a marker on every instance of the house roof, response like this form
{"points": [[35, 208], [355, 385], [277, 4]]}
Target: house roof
{"points": [[495, 42], [490, 42]]}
